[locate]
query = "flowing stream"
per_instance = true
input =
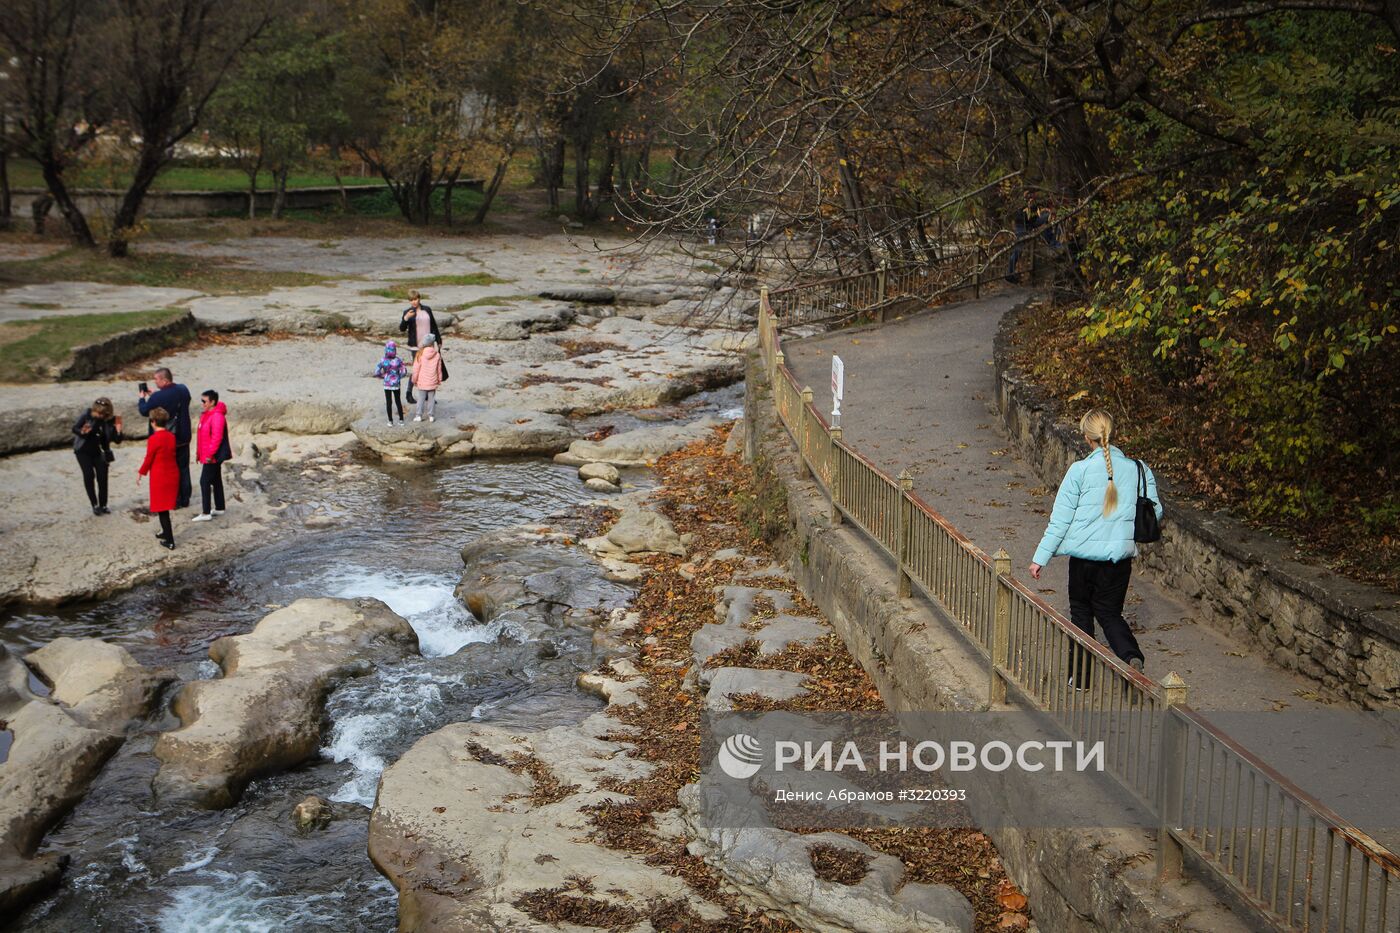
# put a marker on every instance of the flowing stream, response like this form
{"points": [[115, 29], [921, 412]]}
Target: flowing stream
{"points": [[139, 864]]}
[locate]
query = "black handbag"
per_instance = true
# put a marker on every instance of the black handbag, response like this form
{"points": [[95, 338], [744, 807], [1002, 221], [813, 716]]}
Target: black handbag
{"points": [[108, 455], [1146, 528]]}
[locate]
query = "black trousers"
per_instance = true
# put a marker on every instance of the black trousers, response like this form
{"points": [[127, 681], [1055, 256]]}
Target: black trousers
{"points": [[94, 467], [182, 460], [408, 390], [391, 399], [211, 479], [166, 531], [1097, 590]]}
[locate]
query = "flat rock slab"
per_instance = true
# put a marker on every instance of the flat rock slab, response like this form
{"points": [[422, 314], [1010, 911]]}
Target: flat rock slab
{"points": [[456, 831], [729, 682], [264, 714], [772, 870], [56, 550], [712, 638], [736, 603], [513, 321], [787, 630], [58, 299], [474, 432], [101, 684], [637, 448], [583, 294]]}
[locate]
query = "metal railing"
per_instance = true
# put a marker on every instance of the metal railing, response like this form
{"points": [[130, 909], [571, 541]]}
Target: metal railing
{"points": [[1286, 855]]}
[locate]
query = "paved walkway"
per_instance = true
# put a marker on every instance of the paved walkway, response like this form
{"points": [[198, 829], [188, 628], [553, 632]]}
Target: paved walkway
{"points": [[920, 395]]}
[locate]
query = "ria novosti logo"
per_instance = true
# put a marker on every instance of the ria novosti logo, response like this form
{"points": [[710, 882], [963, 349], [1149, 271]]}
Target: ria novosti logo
{"points": [[740, 756]]}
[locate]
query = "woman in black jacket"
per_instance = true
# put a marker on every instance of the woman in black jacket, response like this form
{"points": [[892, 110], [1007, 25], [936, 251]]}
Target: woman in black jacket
{"points": [[94, 433], [417, 322]]}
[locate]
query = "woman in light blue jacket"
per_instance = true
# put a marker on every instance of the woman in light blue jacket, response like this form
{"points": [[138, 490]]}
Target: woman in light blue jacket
{"points": [[1093, 524]]}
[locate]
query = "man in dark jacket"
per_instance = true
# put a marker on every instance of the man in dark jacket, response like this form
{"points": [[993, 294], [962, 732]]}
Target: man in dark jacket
{"points": [[417, 322], [175, 399]]}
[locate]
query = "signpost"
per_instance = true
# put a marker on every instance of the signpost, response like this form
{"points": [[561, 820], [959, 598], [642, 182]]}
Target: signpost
{"points": [[838, 388]]}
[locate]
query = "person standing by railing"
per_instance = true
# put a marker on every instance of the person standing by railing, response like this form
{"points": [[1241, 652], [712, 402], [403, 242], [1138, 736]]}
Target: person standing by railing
{"points": [[1094, 525]]}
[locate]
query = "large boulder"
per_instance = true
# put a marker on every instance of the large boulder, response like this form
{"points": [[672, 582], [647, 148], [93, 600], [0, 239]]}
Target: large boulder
{"points": [[101, 684], [603, 471], [637, 448], [264, 714], [535, 575], [497, 432], [473, 821], [51, 760], [640, 531]]}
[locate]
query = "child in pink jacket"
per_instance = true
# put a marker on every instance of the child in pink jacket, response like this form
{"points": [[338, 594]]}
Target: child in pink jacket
{"points": [[427, 376]]}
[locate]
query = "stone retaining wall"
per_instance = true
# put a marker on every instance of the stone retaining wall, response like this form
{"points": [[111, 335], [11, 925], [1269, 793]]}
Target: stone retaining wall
{"points": [[206, 203], [1343, 634], [119, 349], [1077, 881]]}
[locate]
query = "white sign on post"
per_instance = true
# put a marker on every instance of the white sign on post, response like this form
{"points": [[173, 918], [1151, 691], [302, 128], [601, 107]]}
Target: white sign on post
{"points": [[838, 387]]}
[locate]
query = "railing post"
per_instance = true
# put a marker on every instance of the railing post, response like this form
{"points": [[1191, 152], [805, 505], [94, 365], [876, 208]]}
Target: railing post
{"points": [[977, 277], [880, 280], [836, 474], [765, 315], [1001, 628], [804, 437], [778, 359], [1171, 778], [901, 532]]}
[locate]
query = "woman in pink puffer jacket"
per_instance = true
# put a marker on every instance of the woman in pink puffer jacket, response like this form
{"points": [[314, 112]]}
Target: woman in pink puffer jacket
{"points": [[427, 376]]}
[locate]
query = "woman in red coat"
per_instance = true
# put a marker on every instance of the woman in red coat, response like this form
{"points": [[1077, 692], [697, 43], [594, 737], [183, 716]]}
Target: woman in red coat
{"points": [[165, 474]]}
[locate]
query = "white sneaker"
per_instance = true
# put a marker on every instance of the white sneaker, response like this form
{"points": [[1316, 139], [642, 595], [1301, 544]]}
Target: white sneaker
{"points": [[417, 418], [217, 512], [203, 518], [391, 423], [431, 418]]}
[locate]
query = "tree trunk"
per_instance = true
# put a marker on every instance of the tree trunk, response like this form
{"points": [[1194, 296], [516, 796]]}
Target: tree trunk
{"points": [[123, 225], [555, 173], [583, 206], [58, 194], [423, 194], [253, 194], [447, 196], [344, 195], [6, 208], [279, 197], [494, 185], [606, 186], [40, 211], [854, 202]]}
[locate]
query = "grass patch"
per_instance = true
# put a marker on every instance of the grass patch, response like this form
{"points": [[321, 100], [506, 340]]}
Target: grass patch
{"points": [[156, 270], [38, 345], [400, 292], [491, 300]]}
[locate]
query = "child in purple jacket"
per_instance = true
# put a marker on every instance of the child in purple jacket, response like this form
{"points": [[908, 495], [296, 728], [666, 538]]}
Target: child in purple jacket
{"points": [[393, 370]]}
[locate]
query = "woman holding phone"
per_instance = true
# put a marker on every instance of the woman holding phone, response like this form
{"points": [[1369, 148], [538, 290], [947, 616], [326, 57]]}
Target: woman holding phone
{"points": [[94, 433]]}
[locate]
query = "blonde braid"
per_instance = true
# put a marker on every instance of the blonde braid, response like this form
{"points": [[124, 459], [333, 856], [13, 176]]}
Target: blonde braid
{"points": [[1097, 425]]}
